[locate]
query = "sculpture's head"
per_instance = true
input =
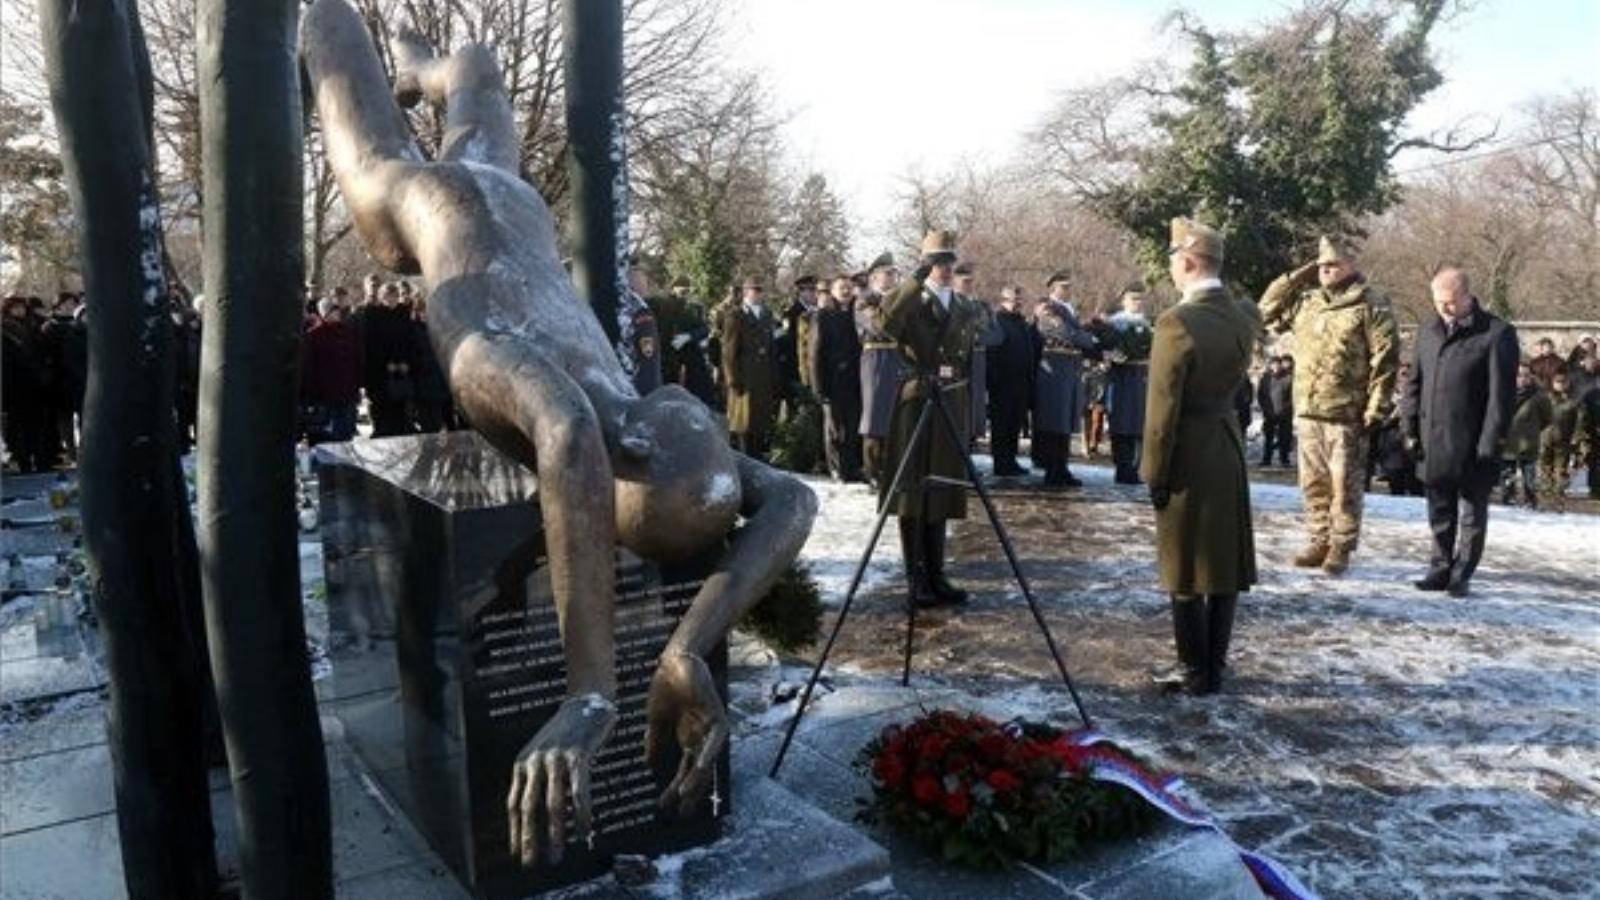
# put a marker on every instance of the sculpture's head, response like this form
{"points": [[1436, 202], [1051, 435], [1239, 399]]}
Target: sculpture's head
{"points": [[677, 479]]}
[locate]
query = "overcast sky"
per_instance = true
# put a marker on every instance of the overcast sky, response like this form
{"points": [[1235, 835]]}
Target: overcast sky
{"points": [[851, 73]]}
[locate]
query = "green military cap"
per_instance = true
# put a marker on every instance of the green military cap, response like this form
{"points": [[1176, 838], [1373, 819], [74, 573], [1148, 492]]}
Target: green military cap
{"points": [[1331, 250], [1058, 275], [884, 261], [938, 242], [1193, 237]]}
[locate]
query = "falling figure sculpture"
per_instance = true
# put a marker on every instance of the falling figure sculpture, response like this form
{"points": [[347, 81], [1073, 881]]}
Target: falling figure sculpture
{"points": [[531, 368]]}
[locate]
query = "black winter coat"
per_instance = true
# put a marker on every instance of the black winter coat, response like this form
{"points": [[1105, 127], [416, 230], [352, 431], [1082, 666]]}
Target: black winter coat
{"points": [[1458, 399]]}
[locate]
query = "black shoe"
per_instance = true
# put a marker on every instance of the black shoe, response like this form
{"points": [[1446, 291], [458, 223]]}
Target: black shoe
{"points": [[918, 593], [1068, 479], [933, 540], [1190, 632], [1435, 580], [1457, 588]]}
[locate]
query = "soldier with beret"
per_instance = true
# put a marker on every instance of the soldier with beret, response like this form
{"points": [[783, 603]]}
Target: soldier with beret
{"points": [[880, 367], [1194, 457], [932, 327], [1058, 397], [1127, 379], [748, 370], [1346, 355], [835, 367]]}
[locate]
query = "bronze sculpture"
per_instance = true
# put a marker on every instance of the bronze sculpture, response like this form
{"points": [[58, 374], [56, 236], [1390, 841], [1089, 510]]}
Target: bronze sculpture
{"points": [[531, 368]]}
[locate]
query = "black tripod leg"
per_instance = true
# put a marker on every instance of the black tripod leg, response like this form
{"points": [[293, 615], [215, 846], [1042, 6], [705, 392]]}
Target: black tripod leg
{"points": [[917, 434], [1011, 556]]}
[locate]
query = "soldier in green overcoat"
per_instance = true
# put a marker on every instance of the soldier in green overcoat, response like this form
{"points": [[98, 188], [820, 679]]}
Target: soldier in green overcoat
{"points": [[749, 371], [933, 328], [1193, 457]]}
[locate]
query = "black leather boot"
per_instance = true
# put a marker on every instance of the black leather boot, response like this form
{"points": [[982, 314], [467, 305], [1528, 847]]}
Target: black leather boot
{"points": [[1190, 634], [1125, 457], [1219, 629], [911, 550], [933, 539]]}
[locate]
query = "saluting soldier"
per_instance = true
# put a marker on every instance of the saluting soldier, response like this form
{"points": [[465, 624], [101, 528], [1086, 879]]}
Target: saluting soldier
{"points": [[880, 368], [1010, 375], [932, 327], [1346, 356], [1127, 381], [1194, 457], [835, 367], [1058, 398], [748, 371]]}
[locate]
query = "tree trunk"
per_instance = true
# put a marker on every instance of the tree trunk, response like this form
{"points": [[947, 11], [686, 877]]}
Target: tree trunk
{"points": [[250, 133], [137, 531], [597, 164]]}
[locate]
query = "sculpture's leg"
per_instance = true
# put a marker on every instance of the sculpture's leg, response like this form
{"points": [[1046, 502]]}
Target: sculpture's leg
{"points": [[778, 511], [478, 123]]}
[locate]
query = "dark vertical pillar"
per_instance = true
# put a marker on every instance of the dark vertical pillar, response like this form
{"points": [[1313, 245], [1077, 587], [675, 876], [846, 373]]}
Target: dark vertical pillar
{"points": [[251, 146], [597, 160], [135, 507]]}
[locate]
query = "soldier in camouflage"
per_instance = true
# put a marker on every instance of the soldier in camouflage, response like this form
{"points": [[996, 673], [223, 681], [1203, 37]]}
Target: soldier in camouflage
{"points": [[1346, 353]]}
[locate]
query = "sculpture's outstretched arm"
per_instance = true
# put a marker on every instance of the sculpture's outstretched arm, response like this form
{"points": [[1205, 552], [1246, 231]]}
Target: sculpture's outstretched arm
{"points": [[778, 510]]}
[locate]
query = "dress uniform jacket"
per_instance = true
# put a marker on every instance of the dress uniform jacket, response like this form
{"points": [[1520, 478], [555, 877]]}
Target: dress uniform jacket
{"points": [[1127, 381], [931, 339], [986, 335], [880, 369], [1193, 446], [1058, 399], [748, 370]]}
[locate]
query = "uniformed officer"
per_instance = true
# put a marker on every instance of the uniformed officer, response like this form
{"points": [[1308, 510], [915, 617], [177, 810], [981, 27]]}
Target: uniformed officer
{"points": [[983, 336], [748, 371], [1058, 382], [639, 342], [1346, 355], [835, 367], [1194, 457], [794, 345], [686, 333], [932, 327], [1010, 372], [880, 367], [1126, 382]]}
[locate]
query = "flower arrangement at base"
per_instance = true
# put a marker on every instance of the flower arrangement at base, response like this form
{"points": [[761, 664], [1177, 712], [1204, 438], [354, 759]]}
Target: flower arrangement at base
{"points": [[985, 794]]}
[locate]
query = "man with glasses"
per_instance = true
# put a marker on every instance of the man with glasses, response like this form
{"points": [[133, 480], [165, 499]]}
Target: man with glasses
{"points": [[1346, 354]]}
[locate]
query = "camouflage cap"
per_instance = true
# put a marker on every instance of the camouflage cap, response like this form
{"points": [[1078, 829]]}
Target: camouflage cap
{"points": [[883, 261], [1193, 237], [1331, 250]]}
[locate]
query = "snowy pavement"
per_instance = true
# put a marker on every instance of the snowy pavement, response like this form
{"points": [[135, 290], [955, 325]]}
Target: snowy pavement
{"points": [[1380, 741]]}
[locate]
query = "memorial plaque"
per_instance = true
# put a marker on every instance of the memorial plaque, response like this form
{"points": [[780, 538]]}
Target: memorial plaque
{"points": [[447, 656]]}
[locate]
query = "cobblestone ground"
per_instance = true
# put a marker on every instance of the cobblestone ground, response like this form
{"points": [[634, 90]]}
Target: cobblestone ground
{"points": [[1378, 741]]}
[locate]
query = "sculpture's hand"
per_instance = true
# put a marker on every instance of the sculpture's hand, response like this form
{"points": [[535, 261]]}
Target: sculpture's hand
{"points": [[553, 767], [684, 703]]}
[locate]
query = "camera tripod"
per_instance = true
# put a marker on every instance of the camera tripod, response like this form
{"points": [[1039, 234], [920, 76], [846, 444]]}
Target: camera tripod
{"points": [[933, 411]]}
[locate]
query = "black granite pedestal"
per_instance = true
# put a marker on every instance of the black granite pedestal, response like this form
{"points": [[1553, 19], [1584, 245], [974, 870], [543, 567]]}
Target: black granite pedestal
{"points": [[447, 655]]}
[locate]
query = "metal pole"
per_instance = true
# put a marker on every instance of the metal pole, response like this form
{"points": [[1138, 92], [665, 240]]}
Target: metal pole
{"points": [[597, 158]]}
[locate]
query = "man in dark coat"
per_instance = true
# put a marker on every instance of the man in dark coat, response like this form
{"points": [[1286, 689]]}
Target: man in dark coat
{"points": [[1058, 398], [639, 336], [933, 328], [880, 368], [386, 351], [1127, 382], [1457, 402], [686, 337], [1010, 375], [835, 367], [25, 384], [748, 371], [986, 333], [1276, 398], [333, 368], [1194, 457]]}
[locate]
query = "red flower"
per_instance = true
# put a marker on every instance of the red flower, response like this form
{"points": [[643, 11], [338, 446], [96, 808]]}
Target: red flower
{"points": [[889, 770], [993, 746], [933, 746], [1003, 781], [958, 804], [925, 788]]}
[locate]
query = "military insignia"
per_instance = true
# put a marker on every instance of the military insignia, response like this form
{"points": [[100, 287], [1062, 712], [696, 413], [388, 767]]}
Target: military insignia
{"points": [[647, 347]]}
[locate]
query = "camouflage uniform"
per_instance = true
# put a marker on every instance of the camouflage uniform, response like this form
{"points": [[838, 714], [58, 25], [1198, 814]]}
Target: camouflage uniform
{"points": [[1346, 355], [1555, 451]]}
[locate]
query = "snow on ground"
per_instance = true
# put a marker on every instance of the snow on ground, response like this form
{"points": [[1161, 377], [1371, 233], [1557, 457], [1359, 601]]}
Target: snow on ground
{"points": [[1380, 741]]}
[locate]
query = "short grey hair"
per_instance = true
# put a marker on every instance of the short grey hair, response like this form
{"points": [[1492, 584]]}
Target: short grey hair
{"points": [[1453, 276]]}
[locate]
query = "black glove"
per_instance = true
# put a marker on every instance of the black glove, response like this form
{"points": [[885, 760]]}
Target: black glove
{"points": [[1160, 497], [920, 273]]}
